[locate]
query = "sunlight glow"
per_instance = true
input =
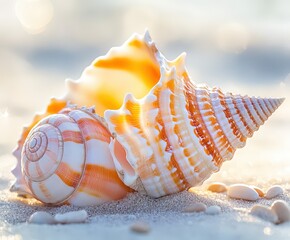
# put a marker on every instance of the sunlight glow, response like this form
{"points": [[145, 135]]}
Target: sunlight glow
{"points": [[267, 231], [34, 15]]}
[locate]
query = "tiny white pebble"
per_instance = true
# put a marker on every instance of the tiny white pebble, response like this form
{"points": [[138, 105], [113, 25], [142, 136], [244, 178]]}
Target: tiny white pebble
{"points": [[196, 207], [282, 210], [140, 227], [242, 191], [265, 213], [41, 218], [72, 217], [217, 187], [274, 191], [213, 210]]}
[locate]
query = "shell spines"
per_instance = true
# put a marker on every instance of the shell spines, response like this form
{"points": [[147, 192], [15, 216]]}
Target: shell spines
{"points": [[180, 133]]}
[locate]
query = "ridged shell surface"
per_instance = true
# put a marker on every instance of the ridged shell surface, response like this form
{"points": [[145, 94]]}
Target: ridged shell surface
{"points": [[180, 133], [132, 67], [66, 158]]}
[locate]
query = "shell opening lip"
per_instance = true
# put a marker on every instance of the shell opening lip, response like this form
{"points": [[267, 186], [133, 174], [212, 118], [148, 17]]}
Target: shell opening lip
{"points": [[124, 169]]}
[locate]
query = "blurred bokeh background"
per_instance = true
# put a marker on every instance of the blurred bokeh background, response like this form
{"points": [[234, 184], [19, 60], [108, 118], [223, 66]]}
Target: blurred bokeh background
{"points": [[240, 46]]}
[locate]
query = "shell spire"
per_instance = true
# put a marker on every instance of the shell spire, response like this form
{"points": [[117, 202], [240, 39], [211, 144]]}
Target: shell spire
{"points": [[180, 133]]}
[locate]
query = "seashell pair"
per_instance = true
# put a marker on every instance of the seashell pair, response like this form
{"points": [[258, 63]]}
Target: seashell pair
{"points": [[174, 137]]}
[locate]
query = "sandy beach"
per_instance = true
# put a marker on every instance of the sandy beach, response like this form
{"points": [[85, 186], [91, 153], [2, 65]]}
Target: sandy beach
{"points": [[164, 216]]}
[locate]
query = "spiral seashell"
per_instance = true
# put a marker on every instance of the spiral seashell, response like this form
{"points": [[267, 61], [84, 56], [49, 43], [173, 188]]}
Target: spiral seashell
{"points": [[66, 158], [131, 67], [174, 137], [180, 133]]}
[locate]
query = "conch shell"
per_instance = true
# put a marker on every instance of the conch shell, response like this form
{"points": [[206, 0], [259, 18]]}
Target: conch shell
{"points": [[174, 137], [179, 134]]}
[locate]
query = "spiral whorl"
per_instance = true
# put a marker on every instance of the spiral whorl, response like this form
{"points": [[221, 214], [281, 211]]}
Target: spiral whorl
{"points": [[47, 155], [36, 146], [43, 148]]}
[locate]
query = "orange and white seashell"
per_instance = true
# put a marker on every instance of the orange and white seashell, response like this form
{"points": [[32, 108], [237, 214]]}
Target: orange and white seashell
{"points": [[66, 158], [131, 67], [180, 133], [174, 137]]}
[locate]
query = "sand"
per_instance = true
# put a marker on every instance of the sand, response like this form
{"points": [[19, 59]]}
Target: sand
{"points": [[164, 216]]}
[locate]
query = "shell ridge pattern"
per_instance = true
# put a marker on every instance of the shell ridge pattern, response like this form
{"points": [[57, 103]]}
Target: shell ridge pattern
{"points": [[220, 141], [168, 166], [200, 127], [170, 120], [252, 112], [237, 117], [174, 113], [259, 110], [220, 112], [153, 180], [237, 138], [246, 116]]}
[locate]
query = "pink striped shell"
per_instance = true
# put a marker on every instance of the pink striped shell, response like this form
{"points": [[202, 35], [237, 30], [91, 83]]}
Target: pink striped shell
{"points": [[66, 159]]}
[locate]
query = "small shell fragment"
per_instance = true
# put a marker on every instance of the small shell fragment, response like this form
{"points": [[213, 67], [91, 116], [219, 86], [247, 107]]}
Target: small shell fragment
{"points": [[259, 191], [282, 210], [72, 217], [217, 187], [41, 218], [242, 191], [264, 213], [140, 227], [274, 191], [197, 207], [213, 210]]}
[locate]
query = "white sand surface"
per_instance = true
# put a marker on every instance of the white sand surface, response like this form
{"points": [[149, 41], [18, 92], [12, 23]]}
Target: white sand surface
{"points": [[164, 216]]}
